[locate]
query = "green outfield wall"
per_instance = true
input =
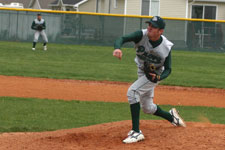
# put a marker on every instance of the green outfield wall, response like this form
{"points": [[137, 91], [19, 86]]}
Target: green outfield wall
{"points": [[102, 29]]}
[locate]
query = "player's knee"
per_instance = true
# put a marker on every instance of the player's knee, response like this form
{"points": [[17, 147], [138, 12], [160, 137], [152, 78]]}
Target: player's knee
{"points": [[132, 96], [151, 109]]}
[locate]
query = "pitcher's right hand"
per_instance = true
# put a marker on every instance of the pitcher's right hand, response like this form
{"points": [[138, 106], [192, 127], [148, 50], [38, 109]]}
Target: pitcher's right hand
{"points": [[118, 53]]}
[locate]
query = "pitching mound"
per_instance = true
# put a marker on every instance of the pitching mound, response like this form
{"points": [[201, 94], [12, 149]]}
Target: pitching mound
{"points": [[159, 135]]}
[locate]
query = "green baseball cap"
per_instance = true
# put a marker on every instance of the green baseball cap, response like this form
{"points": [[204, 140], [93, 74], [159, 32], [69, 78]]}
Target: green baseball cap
{"points": [[157, 22]]}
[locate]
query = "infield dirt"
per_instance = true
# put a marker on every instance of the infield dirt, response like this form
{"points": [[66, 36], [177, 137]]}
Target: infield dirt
{"points": [[105, 91], [160, 135]]}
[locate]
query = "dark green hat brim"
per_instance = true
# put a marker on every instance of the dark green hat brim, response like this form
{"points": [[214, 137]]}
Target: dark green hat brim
{"points": [[153, 24]]}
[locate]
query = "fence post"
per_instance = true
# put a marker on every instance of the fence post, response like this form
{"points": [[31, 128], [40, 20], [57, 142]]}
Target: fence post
{"points": [[9, 25], [80, 28], [17, 26], [141, 23]]}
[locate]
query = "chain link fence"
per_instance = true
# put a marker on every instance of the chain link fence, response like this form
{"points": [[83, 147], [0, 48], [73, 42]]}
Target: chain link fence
{"points": [[93, 29]]}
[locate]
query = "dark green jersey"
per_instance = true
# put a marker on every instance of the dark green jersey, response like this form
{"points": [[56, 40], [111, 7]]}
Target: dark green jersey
{"points": [[157, 53]]}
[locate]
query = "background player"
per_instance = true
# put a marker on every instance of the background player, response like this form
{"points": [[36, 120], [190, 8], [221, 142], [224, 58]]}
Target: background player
{"points": [[39, 26], [153, 59]]}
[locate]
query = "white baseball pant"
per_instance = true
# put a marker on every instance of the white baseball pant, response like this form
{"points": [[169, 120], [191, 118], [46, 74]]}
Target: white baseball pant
{"points": [[42, 33], [142, 90]]}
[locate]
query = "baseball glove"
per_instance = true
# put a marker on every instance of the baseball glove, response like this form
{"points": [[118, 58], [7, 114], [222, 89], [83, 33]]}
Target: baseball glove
{"points": [[39, 28], [150, 73]]}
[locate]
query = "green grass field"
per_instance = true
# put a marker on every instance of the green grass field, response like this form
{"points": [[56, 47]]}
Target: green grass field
{"points": [[26, 114], [197, 69]]}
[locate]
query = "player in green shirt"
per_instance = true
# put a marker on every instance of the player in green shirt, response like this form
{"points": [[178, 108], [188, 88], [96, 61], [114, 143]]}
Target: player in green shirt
{"points": [[153, 59], [39, 26]]}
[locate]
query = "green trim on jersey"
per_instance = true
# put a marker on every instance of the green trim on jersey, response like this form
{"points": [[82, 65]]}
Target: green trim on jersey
{"points": [[167, 69], [133, 37], [136, 37], [44, 26], [34, 25], [156, 43]]}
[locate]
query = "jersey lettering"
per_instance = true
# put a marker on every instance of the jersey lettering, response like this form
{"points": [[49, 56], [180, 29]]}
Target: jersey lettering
{"points": [[148, 57]]}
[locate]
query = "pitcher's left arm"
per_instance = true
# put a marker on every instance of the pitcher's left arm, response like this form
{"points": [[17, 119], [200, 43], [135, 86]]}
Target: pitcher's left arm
{"points": [[167, 67]]}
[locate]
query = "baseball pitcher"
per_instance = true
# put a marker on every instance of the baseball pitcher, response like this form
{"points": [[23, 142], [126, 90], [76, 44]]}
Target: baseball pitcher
{"points": [[153, 59], [39, 26]]}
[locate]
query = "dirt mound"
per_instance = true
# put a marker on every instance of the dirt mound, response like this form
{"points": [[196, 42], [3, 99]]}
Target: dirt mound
{"points": [[158, 134], [105, 91]]}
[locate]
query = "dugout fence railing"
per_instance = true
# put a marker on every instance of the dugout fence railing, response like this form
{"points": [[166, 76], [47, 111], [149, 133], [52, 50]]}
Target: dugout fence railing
{"points": [[68, 27]]}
